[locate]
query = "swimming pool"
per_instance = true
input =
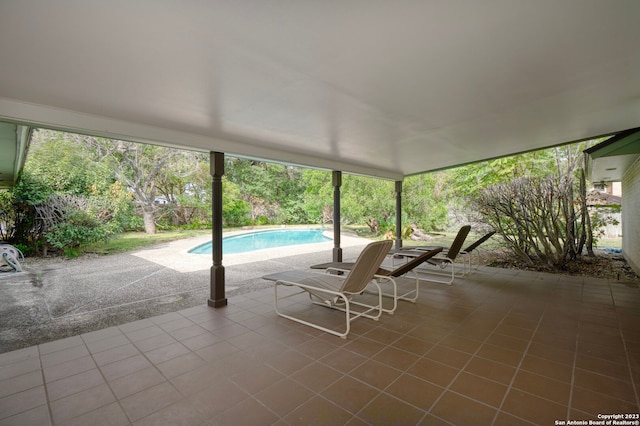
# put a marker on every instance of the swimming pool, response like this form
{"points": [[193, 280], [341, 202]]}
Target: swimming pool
{"points": [[264, 239]]}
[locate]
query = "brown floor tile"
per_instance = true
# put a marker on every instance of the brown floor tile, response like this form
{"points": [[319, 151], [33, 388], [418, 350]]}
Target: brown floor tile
{"points": [[500, 354], [399, 325], [64, 356], [154, 342], [255, 379], [145, 333], [461, 343], [167, 352], [621, 389], [547, 368], [150, 400], [433, 372], [415, 391], [533, 408], [116, 354], [316, 349], [552, 353], [383, 335], [81, 403], [459, 410], [448, 356], [136, 382], [180, 365], [557, 340], [125, 367], [196, 380], [247, 412], [515, 332], [428, 334], [601, 366], [23, 401], [350, 394], [414, 345], [316, 376], [498, 372], [216, 398], [74, 384], [109, 415], [343, 360], [289, 362], [386, 410], [180, 413], [375, 374], [542, 386], [50, 347], [216, 351], [20, 383], [479, 388], [284, 396], [594, 403], [365, 347], [318, 411], [613, 353], [107, 343], [508, 342], [68, 368], [396, 358], [505, 419]]}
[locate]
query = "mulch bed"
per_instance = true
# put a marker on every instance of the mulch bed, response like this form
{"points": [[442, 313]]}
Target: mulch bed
{"points": [[603, 265]]}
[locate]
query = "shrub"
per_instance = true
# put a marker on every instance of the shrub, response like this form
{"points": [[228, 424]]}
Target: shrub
{"points": [[78, 228]]}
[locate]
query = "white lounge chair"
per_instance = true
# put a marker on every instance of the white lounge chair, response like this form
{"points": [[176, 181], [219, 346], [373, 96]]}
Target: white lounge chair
{"points": [[337, 291], [384, 274]]}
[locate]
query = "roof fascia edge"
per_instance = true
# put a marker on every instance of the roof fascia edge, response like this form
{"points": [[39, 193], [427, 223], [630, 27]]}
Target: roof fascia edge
{"points": [[23, 140], [34, 115]]}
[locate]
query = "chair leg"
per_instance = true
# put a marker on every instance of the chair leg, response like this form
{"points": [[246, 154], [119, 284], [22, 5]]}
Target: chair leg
{"points": [[345, 307]]}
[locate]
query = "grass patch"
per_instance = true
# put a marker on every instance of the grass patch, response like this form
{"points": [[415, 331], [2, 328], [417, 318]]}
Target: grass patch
{"points": [[130, 241]]}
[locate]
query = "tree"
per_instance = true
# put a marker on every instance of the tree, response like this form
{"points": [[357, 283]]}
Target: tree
{"points": [[318, 195], [368, 200], [426, 201], [273, 191], [141, 168]]}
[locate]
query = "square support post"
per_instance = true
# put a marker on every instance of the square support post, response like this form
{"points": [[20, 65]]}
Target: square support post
{"points": [[337, 182], [217, 298], [398, 214]]}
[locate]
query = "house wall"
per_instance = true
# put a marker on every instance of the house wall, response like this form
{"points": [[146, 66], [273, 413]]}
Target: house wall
{"points": [[630, 216]]}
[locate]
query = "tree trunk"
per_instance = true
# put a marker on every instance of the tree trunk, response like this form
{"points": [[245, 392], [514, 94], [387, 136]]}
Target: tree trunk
{"points": [[149, 219]]}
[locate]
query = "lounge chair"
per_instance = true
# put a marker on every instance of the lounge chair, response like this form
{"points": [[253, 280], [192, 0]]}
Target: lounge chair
{"points": [[337, 291], [443, 261], [467, 251], [385, 274]]}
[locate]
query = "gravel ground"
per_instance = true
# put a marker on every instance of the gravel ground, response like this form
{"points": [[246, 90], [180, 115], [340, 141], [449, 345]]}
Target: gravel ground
{"points": [[607, 265]]}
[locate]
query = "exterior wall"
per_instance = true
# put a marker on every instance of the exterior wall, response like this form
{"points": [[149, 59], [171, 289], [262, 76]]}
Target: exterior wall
{"points": [[630, 216]]}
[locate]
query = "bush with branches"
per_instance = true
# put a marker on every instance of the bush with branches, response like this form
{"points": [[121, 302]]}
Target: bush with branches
{"points": [[543, 220]]}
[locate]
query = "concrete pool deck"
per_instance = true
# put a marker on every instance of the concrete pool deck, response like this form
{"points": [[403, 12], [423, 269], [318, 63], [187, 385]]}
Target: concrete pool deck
{"points": [[53, 300]]}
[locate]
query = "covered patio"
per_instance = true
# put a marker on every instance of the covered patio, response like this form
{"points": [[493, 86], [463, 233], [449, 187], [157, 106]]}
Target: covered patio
{"points": [[498, 347], [382, 89]]}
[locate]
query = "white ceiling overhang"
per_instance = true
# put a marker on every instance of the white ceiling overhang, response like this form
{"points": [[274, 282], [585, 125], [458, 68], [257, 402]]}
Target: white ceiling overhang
{"points": [[381, 88]]}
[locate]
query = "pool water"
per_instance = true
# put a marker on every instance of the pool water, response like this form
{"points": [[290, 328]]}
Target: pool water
{"points": [[264, 239]]}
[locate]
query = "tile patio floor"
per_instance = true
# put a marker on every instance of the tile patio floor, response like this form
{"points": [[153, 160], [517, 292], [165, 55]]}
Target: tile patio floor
{"points": [[498, 347]]}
